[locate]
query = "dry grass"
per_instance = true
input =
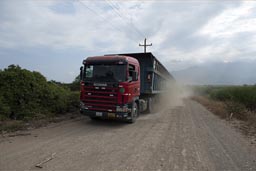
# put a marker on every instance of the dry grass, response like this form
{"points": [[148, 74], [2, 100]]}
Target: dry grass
{"points": [[216, 107], [11, 125], [16, 125], [231, 111]]}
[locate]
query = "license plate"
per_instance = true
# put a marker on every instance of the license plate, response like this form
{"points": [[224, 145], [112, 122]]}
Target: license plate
{"points": [[98, 113], [111, 115]]}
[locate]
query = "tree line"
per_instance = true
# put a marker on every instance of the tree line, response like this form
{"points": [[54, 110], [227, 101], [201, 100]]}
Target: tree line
{"points": [[27, 94]]}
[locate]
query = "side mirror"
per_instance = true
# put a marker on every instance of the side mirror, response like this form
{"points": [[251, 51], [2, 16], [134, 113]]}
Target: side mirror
{"points": [[81, 73], [134, 76]]}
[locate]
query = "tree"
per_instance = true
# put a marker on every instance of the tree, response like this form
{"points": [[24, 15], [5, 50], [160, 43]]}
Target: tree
{"points": [[25, 94]]}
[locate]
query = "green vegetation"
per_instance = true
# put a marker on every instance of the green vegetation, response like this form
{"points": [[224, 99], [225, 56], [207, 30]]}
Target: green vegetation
{"points": [[230, 102], [243, 95], [26, 95]]}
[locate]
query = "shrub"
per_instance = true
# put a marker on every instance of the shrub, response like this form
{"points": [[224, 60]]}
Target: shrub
{"points": [[244, 95], [26, 94]]}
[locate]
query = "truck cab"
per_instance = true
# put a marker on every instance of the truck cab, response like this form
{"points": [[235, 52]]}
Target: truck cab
{"points": [[110, 87]]}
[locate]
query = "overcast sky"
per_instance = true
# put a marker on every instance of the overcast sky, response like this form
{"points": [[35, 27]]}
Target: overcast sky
{"points": [[54, 36]]}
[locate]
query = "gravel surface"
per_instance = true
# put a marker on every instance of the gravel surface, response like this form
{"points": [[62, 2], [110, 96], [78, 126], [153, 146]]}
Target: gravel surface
{"points": [[186, 137]]}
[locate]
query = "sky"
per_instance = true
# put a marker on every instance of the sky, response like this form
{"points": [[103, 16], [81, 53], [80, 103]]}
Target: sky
{"points": [[54, 36]]}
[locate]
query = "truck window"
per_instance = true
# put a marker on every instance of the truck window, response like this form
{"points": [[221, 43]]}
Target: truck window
{"points": [[105, 72], [131, 69], [89, 71]]}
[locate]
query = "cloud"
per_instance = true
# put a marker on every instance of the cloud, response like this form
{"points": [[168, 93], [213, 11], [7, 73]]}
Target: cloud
{"points": [[232, 21], [53, 24], [223, 33], [183, 33]]}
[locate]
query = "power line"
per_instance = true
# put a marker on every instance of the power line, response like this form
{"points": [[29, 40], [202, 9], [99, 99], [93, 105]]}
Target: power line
{"points": [[123, 17], [137, 29], [105, 19], [98, 14]]}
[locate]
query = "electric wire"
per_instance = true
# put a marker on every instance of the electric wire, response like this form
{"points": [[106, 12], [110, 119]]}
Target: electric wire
{"points": [[104, 19], [124, 18]]}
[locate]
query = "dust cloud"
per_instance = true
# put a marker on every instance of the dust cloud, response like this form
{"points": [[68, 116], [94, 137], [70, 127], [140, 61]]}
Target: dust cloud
{"points": [[173, 96]]}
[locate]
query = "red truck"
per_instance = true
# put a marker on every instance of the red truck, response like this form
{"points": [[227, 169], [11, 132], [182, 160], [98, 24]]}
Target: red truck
{"points": [[121, 86]]}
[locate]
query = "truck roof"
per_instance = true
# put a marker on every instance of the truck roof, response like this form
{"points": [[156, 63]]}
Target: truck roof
{"points": [[110, 58]]}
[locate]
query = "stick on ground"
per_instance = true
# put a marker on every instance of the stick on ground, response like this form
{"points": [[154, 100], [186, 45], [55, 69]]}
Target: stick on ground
{"points": [[39, 165]]}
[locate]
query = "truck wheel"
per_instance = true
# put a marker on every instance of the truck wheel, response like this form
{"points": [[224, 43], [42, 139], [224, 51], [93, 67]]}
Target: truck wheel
{"points": [[149, 107], [134, 113], [94, 118]]}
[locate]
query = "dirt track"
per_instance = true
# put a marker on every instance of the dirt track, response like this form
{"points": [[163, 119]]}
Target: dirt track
{"points": [[182, 138]]}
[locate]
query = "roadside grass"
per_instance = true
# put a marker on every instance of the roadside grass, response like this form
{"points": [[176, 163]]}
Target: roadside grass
{"points": [[230, 102], [218, 108], [244, 95], [31, 123], [11, 125], [228, 109]]}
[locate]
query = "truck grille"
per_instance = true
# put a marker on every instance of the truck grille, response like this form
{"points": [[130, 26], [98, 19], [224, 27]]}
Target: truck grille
{"points": [[100, 98]]}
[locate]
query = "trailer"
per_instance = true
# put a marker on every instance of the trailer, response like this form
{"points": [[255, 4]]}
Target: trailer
{"points": [[154, 78]]}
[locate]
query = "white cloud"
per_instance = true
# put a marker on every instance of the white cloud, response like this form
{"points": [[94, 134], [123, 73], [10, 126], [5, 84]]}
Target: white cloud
{"points": [[232, 21], [34, 23], [183, 33]]}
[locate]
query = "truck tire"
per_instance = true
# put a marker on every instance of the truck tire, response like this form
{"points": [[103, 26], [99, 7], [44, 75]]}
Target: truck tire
{"points": [[149, 106], [134, 113], [94, 118]]}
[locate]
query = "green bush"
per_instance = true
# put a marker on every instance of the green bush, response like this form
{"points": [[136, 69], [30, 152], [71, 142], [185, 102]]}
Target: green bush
{"points": [[74, 101], [237, 110], [4, 109], [26, 94], [245, 95]]}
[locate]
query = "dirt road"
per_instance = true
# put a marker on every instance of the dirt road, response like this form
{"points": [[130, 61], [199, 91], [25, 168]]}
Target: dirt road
{"points": [[182, 138]]}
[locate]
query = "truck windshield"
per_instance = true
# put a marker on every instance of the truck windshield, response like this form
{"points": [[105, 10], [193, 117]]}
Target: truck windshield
{"points": [[105, 73]]}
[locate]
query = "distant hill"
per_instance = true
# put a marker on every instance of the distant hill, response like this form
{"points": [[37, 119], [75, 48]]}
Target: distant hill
{"points": [[233, 73]]}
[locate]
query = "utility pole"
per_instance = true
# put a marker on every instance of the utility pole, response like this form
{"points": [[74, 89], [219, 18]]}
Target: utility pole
{"points": [[145, 45]]}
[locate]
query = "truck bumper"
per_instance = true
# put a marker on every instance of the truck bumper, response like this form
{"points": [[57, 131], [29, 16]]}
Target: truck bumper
{"points": [[105, 115]]}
